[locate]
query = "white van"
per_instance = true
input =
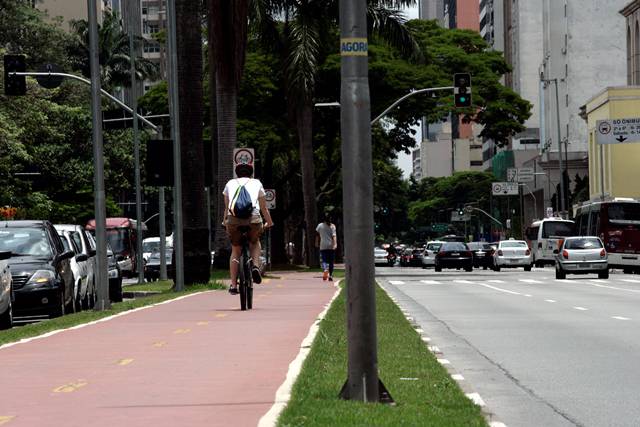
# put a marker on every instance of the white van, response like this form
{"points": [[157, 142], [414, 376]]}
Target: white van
{"points": [[152, 244], [544, 237]]}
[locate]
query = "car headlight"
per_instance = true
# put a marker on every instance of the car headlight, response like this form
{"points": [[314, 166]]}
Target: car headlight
{"points": [[113, 274], [42, 277]]}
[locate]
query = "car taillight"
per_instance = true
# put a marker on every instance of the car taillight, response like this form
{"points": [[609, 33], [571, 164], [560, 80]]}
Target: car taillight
{"points": [[500, 252], [565, 254], [527, 252], [603, 253]]}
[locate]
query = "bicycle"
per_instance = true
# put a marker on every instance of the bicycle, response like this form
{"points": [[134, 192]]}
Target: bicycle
{"points": [[245, 280]]}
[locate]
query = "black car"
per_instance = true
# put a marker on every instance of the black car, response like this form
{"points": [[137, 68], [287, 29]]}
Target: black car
{"points": [[454, 255], [152, 266], [40, 268], [115, 276], [482, 254]]}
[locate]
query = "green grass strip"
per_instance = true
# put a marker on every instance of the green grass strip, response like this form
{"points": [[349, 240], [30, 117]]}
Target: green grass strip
{"points": [[434, 399], [34, 329]]}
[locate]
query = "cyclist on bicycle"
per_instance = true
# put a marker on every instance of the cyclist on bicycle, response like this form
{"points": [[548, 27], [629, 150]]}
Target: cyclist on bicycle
{"points": [[255, 226]]}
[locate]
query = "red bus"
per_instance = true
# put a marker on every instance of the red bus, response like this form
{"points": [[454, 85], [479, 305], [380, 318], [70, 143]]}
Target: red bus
{"points": [[122, 236], [617, 223]]}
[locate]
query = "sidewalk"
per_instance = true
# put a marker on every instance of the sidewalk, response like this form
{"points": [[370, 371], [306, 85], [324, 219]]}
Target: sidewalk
{"points": [[196, 361]]}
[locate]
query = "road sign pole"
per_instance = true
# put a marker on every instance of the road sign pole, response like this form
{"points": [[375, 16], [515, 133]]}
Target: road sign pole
{"points": [[563, 189], [101, 278], [602, 171], [163, 234]]}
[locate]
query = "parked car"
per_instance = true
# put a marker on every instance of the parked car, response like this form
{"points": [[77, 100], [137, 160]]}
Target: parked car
{"points": [[582, 255], [152, 266], [115, 276], [482, 254], [79, 268], [512, 254], [40, 267], [429, 254], [86, 244], [380, 256], [6, 291], [454, 255]]}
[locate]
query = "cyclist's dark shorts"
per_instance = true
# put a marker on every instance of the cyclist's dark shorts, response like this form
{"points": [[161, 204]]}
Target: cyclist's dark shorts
{"points": [[235, 235]]}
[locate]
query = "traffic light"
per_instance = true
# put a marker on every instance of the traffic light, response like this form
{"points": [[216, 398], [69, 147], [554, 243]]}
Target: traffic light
{"points": [[462, 90], [14, 85], [461, 211]]}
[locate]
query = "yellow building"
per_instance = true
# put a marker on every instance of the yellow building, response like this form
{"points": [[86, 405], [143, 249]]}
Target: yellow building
{"points": [[614, 170]]}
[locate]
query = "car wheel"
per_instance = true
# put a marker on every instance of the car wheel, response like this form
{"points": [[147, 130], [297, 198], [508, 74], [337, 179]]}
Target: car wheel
{"points": [[496, 267], [603, 274], [6, 318], [468, 269], [438, 269], [484, 267], [59, 309], [560, 275], [527, 268]]}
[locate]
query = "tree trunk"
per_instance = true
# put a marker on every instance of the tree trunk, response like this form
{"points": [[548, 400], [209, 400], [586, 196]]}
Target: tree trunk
{"points": [[227, 110], [197, 262], [213, 120], [304, 122]]}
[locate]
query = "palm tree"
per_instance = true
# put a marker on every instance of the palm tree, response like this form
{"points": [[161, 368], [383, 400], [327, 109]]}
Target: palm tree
{"points": [[115, 62], [307, 39]]}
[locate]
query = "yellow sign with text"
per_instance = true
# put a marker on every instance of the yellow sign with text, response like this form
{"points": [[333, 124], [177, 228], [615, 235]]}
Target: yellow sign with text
{"points": [[354, 46]]}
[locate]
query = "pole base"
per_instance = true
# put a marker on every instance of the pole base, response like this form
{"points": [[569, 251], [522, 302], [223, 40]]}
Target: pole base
{"points": [[384, 396]]}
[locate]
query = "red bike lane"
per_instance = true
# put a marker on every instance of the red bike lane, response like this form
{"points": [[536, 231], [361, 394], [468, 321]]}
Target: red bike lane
{"points": [[195, 361]]}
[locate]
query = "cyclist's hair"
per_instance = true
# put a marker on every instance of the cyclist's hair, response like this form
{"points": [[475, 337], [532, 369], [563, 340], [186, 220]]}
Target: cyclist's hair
{"points": [[244, 170]]}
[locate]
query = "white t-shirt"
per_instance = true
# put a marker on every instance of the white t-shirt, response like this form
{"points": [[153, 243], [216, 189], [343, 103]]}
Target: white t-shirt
{"points": [[327, 233], [253, 186]]}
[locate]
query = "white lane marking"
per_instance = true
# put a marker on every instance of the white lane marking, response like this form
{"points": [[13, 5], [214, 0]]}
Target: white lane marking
{"points": [[497, 424], [529, 281], [475, 398], [528, 296], [620, 318], [426, 339], [434, 349], [581, 308], [443, 361], [430, 282], [409, 318], [283, 394], [457, 377], [613, 287], [562, 280], [396, 282], [550, 300], [495, 281], [465, 282], [419, 330], [631, 280], [499, 289]]}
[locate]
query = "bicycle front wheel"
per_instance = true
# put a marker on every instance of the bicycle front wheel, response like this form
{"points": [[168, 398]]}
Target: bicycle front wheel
{"points": [[242, 284]]}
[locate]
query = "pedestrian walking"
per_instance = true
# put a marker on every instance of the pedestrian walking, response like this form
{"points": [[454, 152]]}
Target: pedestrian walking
{"points": [[327, 242]]}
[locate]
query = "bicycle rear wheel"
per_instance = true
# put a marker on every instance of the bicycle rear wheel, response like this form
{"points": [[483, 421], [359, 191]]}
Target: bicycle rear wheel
{"points": [[249, 283], [242, 279]]}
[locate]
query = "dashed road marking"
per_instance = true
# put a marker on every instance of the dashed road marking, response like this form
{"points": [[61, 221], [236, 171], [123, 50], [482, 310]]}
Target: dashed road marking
{"points": [[221, 315], [529, 281], [159, 344], [124, 362], [434, 349], [396, 282], [279, 286], [631, 280], [430, 282], [457, 377], [5, 419], [464, 282], [495, 281], [426, 339], [581, 308], [419, 330], [475, 398], [182, 331], [499, 289], [202, 323], [528, 296], [443, 361], [616, 288], [71, 387], [266, 281], [620, 318], [551, 300], [497, 424]]}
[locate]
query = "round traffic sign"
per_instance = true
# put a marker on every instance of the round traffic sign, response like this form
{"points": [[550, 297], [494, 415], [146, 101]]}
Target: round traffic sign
{"points": [[604, 128], [243, 156], [269, 195]]}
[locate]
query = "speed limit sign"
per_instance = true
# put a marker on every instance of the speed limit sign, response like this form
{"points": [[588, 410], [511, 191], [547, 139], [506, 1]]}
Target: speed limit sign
{"points": [[270, 197]]}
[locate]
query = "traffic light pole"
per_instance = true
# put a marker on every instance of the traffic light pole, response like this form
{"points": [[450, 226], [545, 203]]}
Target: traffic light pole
{"points": [[410, 94]]}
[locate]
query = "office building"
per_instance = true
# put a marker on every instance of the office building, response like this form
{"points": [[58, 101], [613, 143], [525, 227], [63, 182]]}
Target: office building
{"points": [[431, 9]]}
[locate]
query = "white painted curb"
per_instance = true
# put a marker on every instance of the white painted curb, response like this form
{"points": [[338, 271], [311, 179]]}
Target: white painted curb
{"points": [[283, 394]]}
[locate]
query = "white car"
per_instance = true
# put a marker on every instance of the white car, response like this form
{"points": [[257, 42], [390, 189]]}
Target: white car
{"points": [[80, 269], [512, 254], [6, 297], [380, 257], [152, 244], [430, 251], [84, 244]]}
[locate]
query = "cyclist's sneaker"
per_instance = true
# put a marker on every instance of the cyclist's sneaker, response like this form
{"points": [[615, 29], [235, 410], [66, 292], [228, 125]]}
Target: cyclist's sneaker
{"points": [[233, 290], [255, 275], [325, 275], [331, 278]]}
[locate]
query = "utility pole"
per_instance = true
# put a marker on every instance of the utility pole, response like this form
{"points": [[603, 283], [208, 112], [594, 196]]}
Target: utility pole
{"points": [[102, 279], [362, 380], [563, 190], [175, 131], [136, 154]]}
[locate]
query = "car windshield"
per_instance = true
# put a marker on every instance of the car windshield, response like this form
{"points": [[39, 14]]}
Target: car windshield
{"points": [[150, 246], [624, 213], [117, 238], [515, 244], [434, 246], [25, 242], [453, 246], [558, 228], [583, 243]]}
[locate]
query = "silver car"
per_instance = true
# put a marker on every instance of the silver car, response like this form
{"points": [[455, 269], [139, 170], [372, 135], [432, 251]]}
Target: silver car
{"points": [[512, 254], [6, 292], [429, 255], [380, 256], [581, 255]]}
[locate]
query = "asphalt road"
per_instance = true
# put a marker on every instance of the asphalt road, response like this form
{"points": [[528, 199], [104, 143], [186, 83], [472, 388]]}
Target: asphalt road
{"points": [[539, 351]]}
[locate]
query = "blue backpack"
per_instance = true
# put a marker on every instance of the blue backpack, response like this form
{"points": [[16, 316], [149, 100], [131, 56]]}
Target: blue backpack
{"points": [[241, 204]]}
